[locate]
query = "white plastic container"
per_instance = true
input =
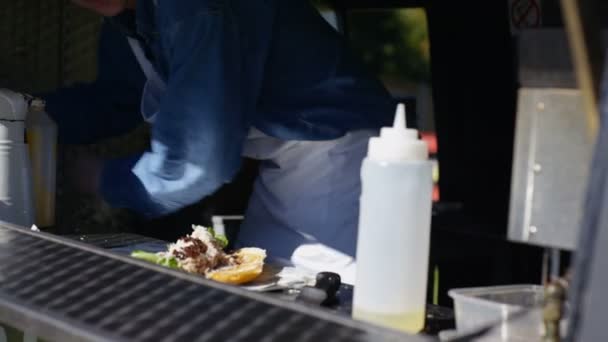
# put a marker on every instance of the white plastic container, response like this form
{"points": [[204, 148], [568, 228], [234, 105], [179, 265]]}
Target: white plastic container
{"points": [[394, 230], [16, 205], [478, 307], [42, 140]]}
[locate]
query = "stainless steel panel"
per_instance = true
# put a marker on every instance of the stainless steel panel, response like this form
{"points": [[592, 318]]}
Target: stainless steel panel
{"points": [[544, 59], [551, 162]]}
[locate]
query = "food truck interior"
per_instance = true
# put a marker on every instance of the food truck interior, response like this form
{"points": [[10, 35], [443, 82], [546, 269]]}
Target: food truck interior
{"points": [[460, 83], [456, 65]]}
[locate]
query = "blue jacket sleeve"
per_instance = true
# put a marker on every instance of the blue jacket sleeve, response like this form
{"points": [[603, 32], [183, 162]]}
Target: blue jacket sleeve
{"points": [[108, 106], [198, 134]]}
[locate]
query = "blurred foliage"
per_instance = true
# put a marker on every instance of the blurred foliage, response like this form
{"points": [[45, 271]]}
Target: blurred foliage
{"points": [[321, 4], [392, 43]]}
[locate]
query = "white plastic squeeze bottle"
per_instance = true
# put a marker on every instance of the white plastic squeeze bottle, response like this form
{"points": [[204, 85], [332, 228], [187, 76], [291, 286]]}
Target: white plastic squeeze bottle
{"points": [[42, 140], [394, 229]]}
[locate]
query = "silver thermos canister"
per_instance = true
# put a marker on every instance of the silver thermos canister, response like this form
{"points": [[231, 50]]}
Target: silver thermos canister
{"points": [[16, 195]]}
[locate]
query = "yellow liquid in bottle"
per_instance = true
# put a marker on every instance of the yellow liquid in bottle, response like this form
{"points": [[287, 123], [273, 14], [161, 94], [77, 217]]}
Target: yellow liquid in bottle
{"points": [[44, 198], [410, 322]]}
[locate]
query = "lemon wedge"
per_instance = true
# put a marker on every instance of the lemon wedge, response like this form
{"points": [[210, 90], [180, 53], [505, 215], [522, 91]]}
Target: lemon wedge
{"points": [[248, 269]]}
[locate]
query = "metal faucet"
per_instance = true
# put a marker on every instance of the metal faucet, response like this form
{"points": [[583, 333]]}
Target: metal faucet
{"points": [[553, 310]]}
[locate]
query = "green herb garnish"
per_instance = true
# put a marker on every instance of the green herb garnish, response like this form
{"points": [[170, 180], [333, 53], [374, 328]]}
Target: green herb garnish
{"points": [[170, 262], [221, 239]]}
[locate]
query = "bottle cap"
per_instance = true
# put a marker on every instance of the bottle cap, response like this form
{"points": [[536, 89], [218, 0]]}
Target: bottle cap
{"points": [[38, 117], [13, 106], [398, 143], [38, 104]]}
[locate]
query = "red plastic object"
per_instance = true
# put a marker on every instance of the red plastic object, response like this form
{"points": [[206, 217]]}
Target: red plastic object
{"points": [[436, 193], [431, 139]]}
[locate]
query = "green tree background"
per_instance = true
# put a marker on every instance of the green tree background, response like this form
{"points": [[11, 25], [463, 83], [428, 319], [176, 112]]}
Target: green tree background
{"points": [[393, 43]]}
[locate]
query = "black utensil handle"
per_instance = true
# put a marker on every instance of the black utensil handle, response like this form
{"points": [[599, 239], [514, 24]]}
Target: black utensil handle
{"points": [[330, 283]]}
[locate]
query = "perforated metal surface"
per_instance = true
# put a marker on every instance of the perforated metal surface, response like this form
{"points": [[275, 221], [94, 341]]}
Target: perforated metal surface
{"points": [[114, 240], [65, 291]]}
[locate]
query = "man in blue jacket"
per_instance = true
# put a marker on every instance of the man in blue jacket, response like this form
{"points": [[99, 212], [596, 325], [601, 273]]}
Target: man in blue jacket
{"points": [[106, 107], [266, 79]]}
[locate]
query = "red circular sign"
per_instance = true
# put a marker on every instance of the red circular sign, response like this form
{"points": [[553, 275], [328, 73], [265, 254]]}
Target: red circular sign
{"points": [[525, 13]]}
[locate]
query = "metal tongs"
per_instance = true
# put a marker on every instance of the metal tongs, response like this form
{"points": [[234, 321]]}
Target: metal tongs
{"points": [[303, 287]]}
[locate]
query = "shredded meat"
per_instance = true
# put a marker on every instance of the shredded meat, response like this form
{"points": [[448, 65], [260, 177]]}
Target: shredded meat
{"points": [[197, 248], [200, 253]]}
